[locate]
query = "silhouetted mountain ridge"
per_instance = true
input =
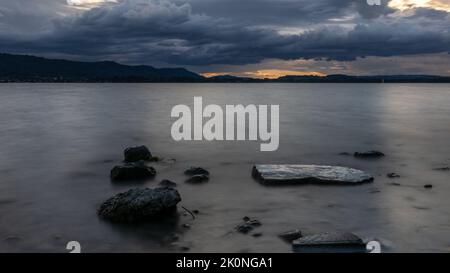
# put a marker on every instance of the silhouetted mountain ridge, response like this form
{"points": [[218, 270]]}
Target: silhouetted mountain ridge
{"points": [[24, 68]]}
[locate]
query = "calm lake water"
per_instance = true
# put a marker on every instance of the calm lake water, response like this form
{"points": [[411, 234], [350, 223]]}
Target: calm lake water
{"points": [[59, 142]]}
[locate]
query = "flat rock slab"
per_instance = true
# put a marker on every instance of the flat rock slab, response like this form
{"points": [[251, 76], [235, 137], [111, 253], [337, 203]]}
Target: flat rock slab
{"points": [[303, 174], [329, 242]]}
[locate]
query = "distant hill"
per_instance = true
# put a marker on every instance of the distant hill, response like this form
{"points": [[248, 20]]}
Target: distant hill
{"points": [[23, 68], [30, 68]]}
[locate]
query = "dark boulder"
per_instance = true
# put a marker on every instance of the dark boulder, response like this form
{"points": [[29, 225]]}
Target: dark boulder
{"points": [[196, 171], [138, 205], [133, 154], [132, 172], [368, 154]]}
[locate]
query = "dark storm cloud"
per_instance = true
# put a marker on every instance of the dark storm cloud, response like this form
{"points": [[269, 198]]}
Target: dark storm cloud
{"points": [[226, 32]]}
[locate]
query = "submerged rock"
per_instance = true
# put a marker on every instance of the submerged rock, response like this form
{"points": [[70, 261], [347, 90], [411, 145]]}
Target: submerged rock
{"points": [[138, 205], [329, 242], [428, 186], [291, 235], [132, 172], [133, 154], [199, 178], [196, 171], [393, 175], [302, 174], [442, 169], [167, 183], [369, 154], [247, 226]]}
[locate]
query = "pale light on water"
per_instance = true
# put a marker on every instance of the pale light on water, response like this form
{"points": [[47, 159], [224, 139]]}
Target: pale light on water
{"points": [[59, 142]]}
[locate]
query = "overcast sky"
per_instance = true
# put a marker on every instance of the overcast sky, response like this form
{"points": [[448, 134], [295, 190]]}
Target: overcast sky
{"points": [[257, 38]]}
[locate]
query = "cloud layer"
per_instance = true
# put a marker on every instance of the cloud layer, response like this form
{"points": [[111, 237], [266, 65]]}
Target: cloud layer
{"points": [[221, 32]]}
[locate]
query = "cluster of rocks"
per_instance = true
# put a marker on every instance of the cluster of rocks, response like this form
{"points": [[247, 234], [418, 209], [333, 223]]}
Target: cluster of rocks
{"points": [[134, 167], [136, 205]]}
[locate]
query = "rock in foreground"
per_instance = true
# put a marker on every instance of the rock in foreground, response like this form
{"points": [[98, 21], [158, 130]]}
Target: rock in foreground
{"points": [[132, 172], [134, 154], [329, 242], [303, 174], [138, 205]]}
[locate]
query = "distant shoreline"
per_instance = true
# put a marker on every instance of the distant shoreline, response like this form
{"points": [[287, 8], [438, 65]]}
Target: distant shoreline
{"points": [[31, 69]]}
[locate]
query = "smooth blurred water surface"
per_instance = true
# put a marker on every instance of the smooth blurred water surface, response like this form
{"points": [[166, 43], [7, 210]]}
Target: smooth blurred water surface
{"points": [[58, 143]]}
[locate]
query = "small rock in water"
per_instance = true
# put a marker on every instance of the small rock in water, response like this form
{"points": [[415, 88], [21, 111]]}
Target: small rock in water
{"points": [[428, 186], [246, 218], [369, 154], [442, 169], [395, 184], [256, 235], [303, 174], [248, 225], [196, 171], [198, 178], [167, 183], [138, 205], [186, 226], [393, 175], [196, 211], [291, 235], [329, 242], [132, 172], [133, 154]]}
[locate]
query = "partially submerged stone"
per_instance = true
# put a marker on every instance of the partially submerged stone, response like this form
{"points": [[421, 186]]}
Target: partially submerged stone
{"points": [[368, 154], [138, 205], [393, 175], [302, 174], [133, 154], [198, 178], [329, 242], [247, 225], [196, 171], [167, 183], [291, 235], [132, 172]]}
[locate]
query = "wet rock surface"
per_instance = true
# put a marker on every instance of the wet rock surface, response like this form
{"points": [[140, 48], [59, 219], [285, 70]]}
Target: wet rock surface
{"points": [[137, 153], [303, 174], [329, 242], [132, 172], [138, 205], [369, 154]]}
